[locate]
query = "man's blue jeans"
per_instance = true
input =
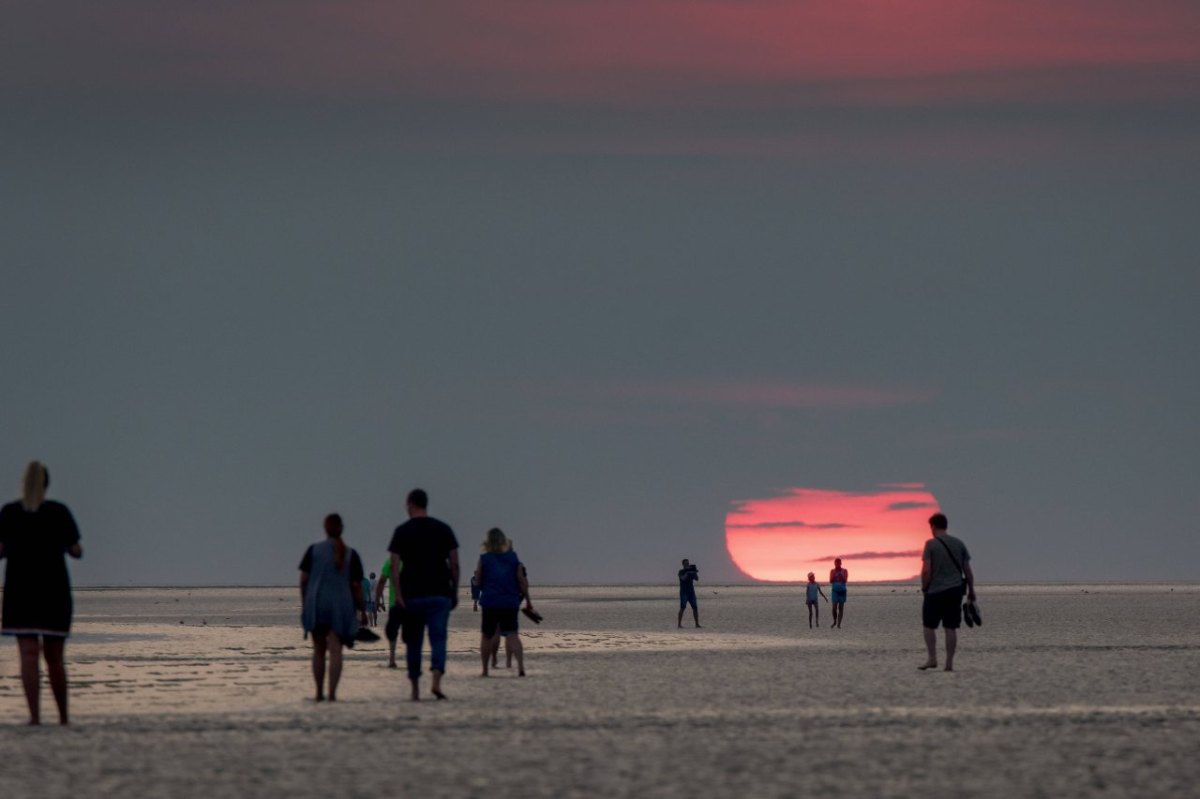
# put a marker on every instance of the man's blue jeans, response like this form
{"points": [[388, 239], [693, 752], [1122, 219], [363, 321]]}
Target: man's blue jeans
{"points": [[421, 612]]}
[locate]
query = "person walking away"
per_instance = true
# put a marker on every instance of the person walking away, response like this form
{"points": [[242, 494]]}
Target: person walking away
{"points": [[368, 586], [838, 577], [812, 591], [945, 574], [427, 588], [395, 614], [35, 536], [331, 576], [688, 576], [502, 585]]}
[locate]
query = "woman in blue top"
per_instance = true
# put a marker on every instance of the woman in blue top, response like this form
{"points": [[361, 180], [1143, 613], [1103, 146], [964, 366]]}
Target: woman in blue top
{"points": [[502, 586], [838, 577], [331, 588]]}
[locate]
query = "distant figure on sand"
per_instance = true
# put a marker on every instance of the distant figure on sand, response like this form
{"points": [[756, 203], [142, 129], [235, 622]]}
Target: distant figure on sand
{"points": [[35, 534], [395, 614], [474, 595], [945, 575], [688, 576], [331, 589], [427, 588], [369, 596], [502, 586], [813, 590], [838, 577]]}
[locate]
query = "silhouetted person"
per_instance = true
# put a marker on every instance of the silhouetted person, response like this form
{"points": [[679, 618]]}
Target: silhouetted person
{"points": [[395, 613], [368, 587], [427, 588], [331, 577], [812, 591], [838, 577], [945, 575], [688, 576], [502, 586], [35, 535]]}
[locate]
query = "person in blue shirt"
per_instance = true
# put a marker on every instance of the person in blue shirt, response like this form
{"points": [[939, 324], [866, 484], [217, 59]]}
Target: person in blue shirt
{"points": [[810, 599], [502, 586], [688, 576], [369, 596]]}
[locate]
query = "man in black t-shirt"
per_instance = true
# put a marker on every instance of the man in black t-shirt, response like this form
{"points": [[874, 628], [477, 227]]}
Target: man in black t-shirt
{"points": [[688, 576], [426, 586]]}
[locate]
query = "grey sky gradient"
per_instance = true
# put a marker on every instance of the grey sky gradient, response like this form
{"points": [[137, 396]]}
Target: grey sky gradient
{"points": [[595, 314]]}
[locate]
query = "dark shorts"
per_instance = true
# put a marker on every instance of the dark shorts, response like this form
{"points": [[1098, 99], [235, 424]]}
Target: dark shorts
{"points": [[502, 619], [394, 620], [944, 607], [687, 598]]}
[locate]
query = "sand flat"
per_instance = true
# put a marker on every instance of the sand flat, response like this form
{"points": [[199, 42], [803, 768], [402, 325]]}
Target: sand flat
{"points": [[1066, 691]]}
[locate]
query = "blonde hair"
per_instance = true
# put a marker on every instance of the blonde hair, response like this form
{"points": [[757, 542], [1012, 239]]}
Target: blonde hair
{"points": [[33, 486], [495, 541]]}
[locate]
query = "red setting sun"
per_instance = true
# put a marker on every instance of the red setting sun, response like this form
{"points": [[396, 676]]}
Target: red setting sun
{"points": [[877, 534]]}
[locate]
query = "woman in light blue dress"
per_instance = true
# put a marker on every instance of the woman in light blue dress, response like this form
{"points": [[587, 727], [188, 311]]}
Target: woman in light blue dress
{"points": [[331, 589]]}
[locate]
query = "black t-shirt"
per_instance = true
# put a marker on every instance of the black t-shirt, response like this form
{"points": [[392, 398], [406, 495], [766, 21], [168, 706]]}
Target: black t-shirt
{"points": [[688, 577], [37, 591], [424, 545]]}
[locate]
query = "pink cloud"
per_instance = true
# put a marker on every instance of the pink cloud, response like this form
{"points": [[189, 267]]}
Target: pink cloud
{"points": [[746, 394], [627, 52]]}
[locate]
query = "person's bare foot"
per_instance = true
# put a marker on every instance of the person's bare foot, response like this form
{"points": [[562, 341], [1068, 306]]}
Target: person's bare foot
{"points": [[320, 698], [436, 692], [927, 666], [392, 665], [416, 694], [949, 667], [521, 673]]}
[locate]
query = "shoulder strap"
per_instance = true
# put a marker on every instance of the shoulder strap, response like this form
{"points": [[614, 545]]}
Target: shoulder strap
{"points": [[950, 552]]}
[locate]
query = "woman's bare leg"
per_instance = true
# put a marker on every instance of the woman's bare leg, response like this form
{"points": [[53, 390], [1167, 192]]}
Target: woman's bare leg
{"points": [[52, 648], [485, 652], [318, 665], [512, 645], [335, 664], [29, 646]]}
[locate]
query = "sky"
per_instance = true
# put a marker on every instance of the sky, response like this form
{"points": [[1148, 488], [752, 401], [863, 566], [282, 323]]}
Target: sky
{"points": [[756, 283]]}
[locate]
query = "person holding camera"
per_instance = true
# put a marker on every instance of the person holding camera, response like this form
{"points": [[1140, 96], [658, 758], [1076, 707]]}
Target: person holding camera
{"points": [[688, 576]]}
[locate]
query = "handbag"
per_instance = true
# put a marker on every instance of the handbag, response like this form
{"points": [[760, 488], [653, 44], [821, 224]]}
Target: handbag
{"points": [[970, 609]]}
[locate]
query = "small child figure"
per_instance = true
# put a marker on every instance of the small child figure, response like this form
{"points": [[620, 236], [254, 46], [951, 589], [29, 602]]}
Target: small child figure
{"points": [[474, 595], [814, 589]]}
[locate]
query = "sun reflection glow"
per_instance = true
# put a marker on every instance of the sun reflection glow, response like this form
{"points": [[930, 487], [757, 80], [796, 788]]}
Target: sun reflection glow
{"points": [[877, 534]]}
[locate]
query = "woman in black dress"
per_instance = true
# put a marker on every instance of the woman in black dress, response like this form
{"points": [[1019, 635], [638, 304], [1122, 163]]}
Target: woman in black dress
{"points": [[35, 534]]}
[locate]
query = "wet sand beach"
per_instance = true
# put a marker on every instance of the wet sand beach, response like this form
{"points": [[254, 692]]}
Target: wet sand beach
{"points": [[1067, 690]]}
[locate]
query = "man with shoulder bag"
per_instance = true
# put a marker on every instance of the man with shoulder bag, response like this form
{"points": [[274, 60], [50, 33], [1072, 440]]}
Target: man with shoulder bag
{"points": [[945, 575]]}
